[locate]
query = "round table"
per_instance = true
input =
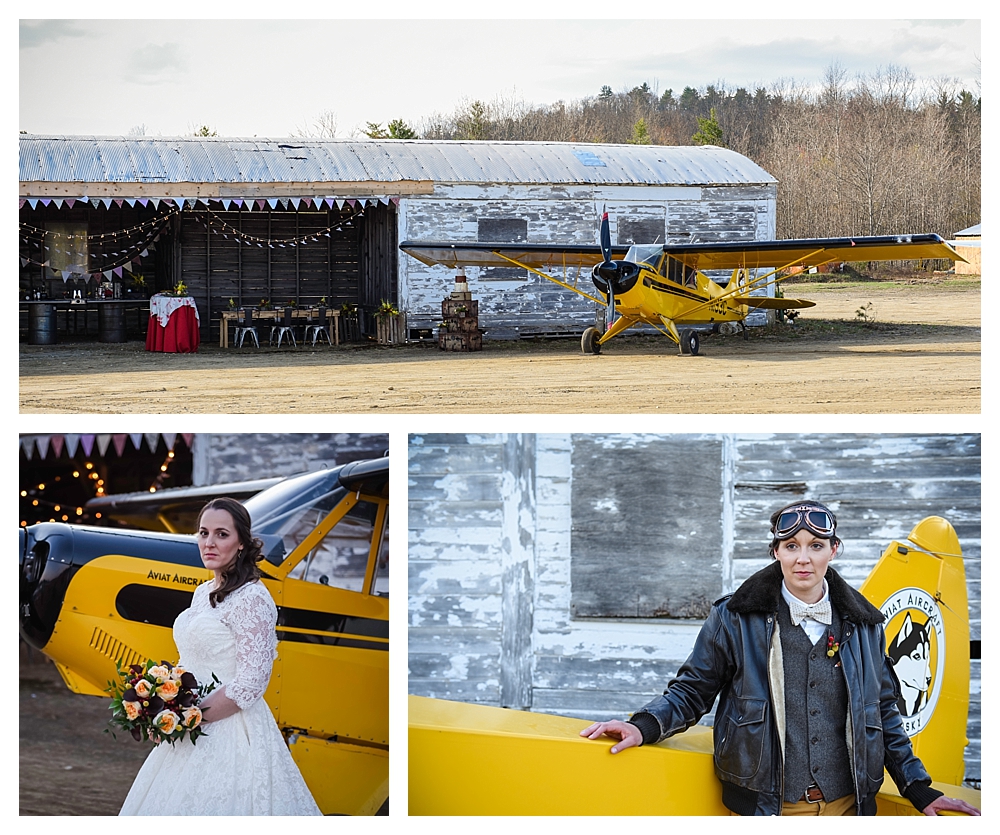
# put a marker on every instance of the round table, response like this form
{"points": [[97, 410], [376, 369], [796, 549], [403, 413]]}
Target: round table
{"points": [[174, 325]]}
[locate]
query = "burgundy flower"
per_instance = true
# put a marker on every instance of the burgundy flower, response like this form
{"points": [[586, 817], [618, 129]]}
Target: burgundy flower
{"points": [[188, 681], [130, 695], [136, 734]]}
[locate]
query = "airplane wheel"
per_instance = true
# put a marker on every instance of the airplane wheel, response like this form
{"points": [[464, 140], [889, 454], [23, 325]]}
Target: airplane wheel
{"points": [[690, 343], [589, 343]]}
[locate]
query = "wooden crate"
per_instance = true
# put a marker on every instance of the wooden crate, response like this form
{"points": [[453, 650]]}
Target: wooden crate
{"points": [[459, 308], [448, 341]]}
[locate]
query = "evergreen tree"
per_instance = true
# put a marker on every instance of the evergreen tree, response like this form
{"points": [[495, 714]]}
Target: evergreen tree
{"points": [[709, 132]]}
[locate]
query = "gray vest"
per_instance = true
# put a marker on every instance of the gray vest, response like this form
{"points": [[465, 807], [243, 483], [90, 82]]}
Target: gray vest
{"points": [[815, 713]]}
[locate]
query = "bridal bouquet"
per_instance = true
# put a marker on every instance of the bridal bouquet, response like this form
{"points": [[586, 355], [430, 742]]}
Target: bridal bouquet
{"points": [[159, 702]]}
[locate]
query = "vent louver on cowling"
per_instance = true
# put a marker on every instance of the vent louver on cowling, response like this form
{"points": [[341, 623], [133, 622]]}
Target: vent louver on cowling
{"points": [[114, 649]]}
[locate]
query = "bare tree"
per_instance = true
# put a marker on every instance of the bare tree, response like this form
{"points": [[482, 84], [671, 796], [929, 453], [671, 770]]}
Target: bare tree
{"points": [[323, 126]]}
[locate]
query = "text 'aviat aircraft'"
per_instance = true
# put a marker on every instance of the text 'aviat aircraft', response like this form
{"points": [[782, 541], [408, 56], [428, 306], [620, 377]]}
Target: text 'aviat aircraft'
{"points": [[666, 286], [92, 597], [467, 759]]}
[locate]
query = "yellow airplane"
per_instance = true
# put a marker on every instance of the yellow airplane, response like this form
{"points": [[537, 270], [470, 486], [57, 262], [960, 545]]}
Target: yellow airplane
{"points": [[665, 286], [467, 759], [92, 596]]}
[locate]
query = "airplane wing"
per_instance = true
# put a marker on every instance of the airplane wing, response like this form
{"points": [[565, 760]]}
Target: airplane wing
{"points": [[810, 252], [533, 256], [772, 304]]}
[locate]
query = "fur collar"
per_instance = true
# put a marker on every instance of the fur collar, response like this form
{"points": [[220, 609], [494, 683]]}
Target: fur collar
{"points": [[761, 592]]}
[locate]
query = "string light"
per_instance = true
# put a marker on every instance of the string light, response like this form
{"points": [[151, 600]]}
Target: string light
{"points": [[134, 254], [156, 221], [162, 475], [301, 240]]}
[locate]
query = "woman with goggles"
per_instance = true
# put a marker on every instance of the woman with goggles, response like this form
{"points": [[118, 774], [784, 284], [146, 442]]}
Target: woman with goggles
{"points": [[797, 659]]}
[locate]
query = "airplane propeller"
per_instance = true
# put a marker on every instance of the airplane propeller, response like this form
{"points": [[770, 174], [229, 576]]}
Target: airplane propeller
{"points": [[611, 276]]}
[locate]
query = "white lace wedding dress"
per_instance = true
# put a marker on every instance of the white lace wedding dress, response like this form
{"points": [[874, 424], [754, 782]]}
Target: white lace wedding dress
{"points": [[241, 766]]}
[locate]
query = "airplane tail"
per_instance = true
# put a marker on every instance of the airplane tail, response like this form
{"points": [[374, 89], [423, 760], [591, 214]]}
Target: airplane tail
{"points": [[919, 585]]}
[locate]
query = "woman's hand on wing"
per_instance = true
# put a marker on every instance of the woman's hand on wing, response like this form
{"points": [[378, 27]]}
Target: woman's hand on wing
{"points": [[629, 735], [949, 804]]}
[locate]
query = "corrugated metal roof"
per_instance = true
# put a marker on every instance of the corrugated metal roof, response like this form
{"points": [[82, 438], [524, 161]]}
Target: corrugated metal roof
{"points": [[95, 159]]}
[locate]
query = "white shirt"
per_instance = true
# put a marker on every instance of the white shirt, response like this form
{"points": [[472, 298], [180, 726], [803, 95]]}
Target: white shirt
{"points": [[813, 628]]}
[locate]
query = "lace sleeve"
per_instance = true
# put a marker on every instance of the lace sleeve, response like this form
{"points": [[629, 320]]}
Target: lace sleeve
{"points": [[251, 615]]}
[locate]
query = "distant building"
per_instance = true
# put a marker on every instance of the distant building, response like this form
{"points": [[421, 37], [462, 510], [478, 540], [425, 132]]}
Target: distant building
{"points": [[968, 245], [304, 220]]}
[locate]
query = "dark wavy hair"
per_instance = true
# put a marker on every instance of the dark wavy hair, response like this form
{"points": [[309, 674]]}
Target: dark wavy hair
{"points": [[245, 569]]}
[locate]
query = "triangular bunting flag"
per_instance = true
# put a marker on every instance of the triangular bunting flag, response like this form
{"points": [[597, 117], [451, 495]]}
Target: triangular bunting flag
{"points": [[72, 442], [87, 442], [28, 445], [103, 441], [152, 440], [119, 441], [188, 438], [57, 445], [169, 438], [42, 442]]}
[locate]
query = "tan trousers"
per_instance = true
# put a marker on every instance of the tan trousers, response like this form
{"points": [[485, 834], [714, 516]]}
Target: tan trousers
{"points": [[841, 806]]}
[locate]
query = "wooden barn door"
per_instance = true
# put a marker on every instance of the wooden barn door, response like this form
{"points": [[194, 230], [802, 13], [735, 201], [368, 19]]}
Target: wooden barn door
{"points": [[379, 260]]}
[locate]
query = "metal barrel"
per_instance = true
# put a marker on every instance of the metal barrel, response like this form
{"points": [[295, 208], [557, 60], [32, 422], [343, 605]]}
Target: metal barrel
{"points": [[110, 322], [42, 324]]}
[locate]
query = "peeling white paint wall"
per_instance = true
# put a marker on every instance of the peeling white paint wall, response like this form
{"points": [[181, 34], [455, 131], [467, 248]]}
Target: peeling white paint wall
{"points": [[595, 669]]}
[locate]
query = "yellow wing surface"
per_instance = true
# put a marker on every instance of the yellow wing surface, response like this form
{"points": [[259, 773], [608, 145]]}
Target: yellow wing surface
{"points": [[713, 256]]}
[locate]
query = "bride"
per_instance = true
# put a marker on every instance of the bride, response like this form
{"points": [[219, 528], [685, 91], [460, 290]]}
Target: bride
{"points": [[241, 765]]}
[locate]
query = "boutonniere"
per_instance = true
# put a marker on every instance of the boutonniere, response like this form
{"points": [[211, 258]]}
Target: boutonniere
{"points": [[832, 647]]}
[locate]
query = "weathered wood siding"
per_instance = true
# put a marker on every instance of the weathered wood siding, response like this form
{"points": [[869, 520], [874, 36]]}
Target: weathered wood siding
{"points": [[465, 491], [509, 305], [216, 268], [238, 456]]}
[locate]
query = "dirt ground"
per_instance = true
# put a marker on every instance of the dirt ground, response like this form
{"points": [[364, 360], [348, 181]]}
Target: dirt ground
{"points": [[67, 764], [921, 354]]}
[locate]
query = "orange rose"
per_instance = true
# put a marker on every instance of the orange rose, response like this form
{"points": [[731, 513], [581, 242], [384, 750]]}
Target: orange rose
{"points": [[160, 673], [192, 717], [168, 690], [165, 721], [176, 673], [132, 710], [143, 689]]}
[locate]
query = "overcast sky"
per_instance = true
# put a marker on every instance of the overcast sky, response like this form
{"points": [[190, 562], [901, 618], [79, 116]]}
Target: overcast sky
{"points": [[274, 78]]}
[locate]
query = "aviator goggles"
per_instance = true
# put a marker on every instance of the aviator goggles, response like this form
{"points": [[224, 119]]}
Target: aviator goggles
{"points": [[819, 520]]}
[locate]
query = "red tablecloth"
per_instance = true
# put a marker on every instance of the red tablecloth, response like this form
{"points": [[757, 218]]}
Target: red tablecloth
{"points": [[180, 335]]}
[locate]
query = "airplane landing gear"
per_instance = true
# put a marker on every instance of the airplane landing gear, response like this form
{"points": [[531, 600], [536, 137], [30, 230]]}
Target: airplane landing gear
{"points": [[689, 343], [589, 343]]}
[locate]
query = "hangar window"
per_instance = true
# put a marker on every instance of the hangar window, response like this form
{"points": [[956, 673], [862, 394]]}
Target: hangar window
{"points": [[643, 546], [502, 230], [641, 230]]}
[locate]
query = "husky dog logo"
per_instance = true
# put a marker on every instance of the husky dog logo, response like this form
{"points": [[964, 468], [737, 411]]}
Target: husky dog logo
{"points": [[915, 634], [910, 651]]}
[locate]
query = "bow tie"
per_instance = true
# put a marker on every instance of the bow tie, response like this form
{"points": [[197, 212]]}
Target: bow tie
{"points": [[817, 611]]}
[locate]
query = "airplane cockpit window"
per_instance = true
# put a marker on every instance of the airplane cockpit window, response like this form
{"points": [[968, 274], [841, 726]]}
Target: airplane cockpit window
{"points": [[679, 272], [381, 584], [649, 255], [291, 509], [341, 558]]}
